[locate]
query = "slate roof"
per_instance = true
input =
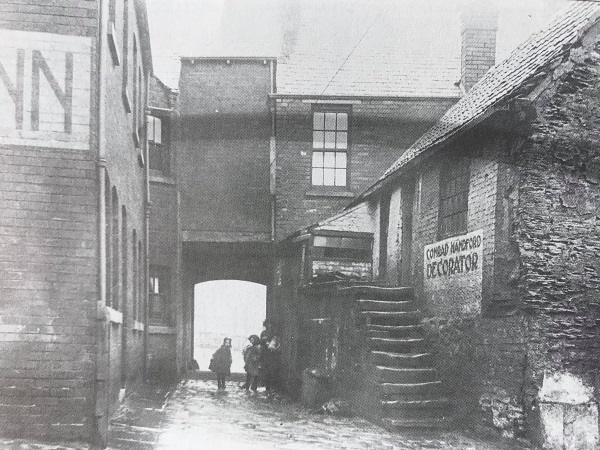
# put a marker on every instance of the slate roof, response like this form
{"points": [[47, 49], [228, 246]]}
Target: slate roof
{"points": [[379, 48], [356, 219], [526, 61], [393, 48]]}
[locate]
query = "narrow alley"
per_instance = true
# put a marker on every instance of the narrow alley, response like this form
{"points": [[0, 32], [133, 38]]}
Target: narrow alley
{"points": [[194, 415]]}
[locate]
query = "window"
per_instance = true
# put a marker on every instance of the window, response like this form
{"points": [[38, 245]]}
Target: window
{"points": [[136, 87], [135, 274], [157, 129], [115, 251], [113, 44], [454, 199], [154, 130], [330, 148], [342, 247], [125, 87], [159, 295]]}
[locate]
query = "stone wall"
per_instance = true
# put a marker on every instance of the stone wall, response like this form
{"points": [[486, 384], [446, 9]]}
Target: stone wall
{"points": [[558, 237]]}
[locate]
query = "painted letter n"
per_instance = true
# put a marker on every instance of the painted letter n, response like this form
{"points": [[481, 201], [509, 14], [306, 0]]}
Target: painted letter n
{"points": [[65, 97], [16, 93]]}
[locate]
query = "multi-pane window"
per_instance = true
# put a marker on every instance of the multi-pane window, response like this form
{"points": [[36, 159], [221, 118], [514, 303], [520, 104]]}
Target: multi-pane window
{"points": [[454, 199], [330, 148]]}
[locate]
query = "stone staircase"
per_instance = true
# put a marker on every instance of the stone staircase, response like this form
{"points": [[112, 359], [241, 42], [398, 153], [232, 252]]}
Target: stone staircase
{"points": [[410, 394]]}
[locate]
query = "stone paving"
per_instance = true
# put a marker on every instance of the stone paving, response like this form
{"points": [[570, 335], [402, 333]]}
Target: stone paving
{"points": [[194, 415]]}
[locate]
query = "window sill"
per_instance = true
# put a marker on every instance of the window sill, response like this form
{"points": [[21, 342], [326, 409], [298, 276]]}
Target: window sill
{"points": [[325, 192], [156, 176], [138, 326], [113, 315], [161, 329], [126, 101], [113, 44]]}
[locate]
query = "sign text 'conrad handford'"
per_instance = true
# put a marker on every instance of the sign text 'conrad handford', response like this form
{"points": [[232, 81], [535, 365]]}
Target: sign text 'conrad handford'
{"points": [[454, 256]]}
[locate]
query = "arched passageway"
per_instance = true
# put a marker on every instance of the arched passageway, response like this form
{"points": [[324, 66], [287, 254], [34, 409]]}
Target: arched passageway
{"points": [[226, 308]]}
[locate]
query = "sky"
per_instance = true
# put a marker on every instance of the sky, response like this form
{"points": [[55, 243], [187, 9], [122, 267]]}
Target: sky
{"points": [[205, 27], [227, 308]]}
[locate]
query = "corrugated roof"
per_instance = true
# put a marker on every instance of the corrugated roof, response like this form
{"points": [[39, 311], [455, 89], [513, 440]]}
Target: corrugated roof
{"points": [[507, 77]]}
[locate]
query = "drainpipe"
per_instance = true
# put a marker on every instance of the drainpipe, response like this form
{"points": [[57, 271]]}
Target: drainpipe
{"points": [[102, 369], [146, 291], [273, 150]]}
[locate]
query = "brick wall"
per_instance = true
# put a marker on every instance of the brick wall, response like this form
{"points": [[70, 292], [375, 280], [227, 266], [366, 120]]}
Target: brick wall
{"points": [[49, 224], [223, 147], [56, 352], [478, 45], [482, 360], [380, 131], [124, 358]]}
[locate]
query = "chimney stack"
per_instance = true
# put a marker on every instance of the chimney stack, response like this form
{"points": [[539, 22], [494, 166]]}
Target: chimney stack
{"points": [[479, 26]]}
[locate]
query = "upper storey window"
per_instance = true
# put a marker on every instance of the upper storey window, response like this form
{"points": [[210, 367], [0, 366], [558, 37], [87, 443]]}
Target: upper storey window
{"points": [[454, 199], [330, 148]]}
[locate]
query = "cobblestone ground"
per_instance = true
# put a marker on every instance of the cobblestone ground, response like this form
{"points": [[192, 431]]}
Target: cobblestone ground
{"points": [[194, 415]]}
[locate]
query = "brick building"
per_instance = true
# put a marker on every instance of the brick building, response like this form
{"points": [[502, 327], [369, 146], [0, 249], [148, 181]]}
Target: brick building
{"points": [[490, 220], [267, 144], [73, 88]]}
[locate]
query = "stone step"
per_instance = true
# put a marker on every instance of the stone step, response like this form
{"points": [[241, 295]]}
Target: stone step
{"points": [[385, 305], [416, 413], [393, 318], [399, 345], [380, 292], [427, 388], [437, 422], [393, 359], [421, 403], [396, 329], [406, 375]]}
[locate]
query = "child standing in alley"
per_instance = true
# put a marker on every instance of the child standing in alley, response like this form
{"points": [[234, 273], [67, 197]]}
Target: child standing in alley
{"points": [[252, 363], [220, 363]]}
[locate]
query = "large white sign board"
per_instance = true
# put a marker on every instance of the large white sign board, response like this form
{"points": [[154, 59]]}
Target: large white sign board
{"points": [[453, 273], [45, 89]]}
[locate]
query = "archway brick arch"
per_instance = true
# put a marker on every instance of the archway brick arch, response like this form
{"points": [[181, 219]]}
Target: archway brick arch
{"points": [[213, 261], [228, 261]]}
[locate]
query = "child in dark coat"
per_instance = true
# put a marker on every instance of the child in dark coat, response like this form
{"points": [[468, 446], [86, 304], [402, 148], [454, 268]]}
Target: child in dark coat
{"points": [[220, 363], [252, 363]]}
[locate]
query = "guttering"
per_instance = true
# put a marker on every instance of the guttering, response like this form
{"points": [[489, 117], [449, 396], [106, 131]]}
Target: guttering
{"points": [[407, 98], [425, 152], [227, 58]]}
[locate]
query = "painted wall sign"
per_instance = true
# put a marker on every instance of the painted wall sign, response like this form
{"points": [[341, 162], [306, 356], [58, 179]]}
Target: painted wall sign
{"points": [[453, 273], [45, 89]]}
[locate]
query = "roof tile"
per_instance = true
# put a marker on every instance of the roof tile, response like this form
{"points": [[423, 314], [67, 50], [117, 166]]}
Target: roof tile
{"points": [[500, 82]]}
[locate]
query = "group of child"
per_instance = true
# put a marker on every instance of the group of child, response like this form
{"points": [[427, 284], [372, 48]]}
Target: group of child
{"points": [[261, 361]]}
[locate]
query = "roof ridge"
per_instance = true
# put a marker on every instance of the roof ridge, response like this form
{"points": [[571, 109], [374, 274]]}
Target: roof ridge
{"points": [[505, 78]]}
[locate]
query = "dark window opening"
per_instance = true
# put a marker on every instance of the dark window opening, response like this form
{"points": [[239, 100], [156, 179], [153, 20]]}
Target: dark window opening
{"points": [[354, 254], [160, 308], [454, 199], [157, 129]]}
